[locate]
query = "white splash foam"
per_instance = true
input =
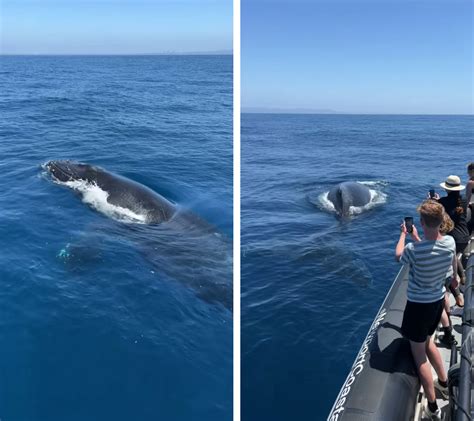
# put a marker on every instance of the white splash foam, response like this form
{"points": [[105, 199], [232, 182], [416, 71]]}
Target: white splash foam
{"points": [[374, 183], [96, 198], [377, 198], [325, 203]]}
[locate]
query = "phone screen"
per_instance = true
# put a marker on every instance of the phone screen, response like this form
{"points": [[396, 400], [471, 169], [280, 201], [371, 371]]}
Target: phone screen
{"points": [[409, 223]]}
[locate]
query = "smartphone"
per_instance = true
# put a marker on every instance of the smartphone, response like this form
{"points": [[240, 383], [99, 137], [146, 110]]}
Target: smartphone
{"points": [[432, 193], [409, 223]]}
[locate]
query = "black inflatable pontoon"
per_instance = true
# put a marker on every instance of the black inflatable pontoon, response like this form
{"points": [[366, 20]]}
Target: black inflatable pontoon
{"points": [[463, 396], [382, 384]]}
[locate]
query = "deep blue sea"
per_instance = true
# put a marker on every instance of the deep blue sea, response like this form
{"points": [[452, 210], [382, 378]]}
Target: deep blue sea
{"points": [[312, 283], [97, 317]]}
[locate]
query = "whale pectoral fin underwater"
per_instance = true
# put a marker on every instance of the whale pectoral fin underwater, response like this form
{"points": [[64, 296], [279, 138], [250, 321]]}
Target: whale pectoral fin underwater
{"points": [[218, 294], [336, 258]]}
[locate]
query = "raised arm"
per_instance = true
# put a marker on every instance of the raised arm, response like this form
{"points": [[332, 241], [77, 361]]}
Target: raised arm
{"points": [[414, 235], [401, 242]]}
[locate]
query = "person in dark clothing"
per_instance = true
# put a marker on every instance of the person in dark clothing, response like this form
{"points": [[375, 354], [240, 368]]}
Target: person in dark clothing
{"points": [[470, 195], [456, 207], [470, 183]]}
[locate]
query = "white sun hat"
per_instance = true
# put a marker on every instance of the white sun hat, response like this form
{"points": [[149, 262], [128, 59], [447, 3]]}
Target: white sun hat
{"points": [[452, 183]]}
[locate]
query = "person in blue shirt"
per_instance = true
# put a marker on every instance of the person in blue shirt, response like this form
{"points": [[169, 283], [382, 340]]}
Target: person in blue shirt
{"points": [[429, 261]]}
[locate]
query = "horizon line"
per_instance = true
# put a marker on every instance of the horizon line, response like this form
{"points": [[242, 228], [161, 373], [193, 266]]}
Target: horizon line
{"points": [[358, 113], [169, 53]]}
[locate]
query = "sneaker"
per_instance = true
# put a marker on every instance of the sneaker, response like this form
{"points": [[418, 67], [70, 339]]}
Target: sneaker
{"points": [[433, 415], [457, 311], [443, 391], [447, 339]]}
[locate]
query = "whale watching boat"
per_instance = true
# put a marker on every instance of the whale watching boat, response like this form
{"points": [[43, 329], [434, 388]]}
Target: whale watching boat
{"points": [[383, 385]]}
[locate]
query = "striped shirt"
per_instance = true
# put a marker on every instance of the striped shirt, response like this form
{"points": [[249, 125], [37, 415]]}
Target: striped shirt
{"points": [[430, 263]]}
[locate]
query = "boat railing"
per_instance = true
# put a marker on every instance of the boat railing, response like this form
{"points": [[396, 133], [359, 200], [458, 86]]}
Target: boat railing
{"points": [[463, 404]]}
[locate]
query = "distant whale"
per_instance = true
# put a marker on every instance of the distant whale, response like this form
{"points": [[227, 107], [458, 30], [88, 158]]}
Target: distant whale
{"points": [[133, 199], [347, 194]]}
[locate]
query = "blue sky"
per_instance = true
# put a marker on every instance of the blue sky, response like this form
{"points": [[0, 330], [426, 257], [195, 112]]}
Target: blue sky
{"points": [[358, 56], [114, 26]]}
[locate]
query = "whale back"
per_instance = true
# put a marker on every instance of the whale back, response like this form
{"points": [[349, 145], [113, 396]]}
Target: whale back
{"points": [[136, 197], [112, 194]]}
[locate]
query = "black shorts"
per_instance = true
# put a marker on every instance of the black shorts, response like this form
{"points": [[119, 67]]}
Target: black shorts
{"points": [[420, 320]]}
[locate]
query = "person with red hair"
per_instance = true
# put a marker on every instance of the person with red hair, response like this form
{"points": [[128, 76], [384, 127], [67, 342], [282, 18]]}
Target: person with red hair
{"points": [[429, 261]]}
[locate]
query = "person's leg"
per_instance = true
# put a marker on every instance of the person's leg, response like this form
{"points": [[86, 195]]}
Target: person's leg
{"points": [[419, 352], [445, 322], [448, 338], [456, 292], [460, 247], [434, 357], [447, 307]]}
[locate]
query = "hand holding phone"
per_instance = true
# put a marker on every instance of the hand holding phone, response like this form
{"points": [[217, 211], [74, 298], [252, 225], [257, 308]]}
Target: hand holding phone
{"points": [[432, 194], [409, 224]]}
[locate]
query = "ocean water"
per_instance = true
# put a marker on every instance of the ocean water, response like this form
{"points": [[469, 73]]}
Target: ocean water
{"points": [[311, 282], [103, 318]]}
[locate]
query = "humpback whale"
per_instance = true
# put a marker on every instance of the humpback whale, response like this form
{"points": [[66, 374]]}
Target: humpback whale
{"points": [[136, 200], [170, 238], [347, 194]]}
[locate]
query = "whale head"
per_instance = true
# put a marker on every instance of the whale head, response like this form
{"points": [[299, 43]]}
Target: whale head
{"points": [[341, 202], [347, 194], [65, 171]]}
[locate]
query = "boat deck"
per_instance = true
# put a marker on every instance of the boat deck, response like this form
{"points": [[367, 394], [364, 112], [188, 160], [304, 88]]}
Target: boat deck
{"points": [[456, 319]]}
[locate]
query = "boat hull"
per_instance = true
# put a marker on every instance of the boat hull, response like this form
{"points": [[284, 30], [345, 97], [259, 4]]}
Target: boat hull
{"points": [[382, 383]]}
